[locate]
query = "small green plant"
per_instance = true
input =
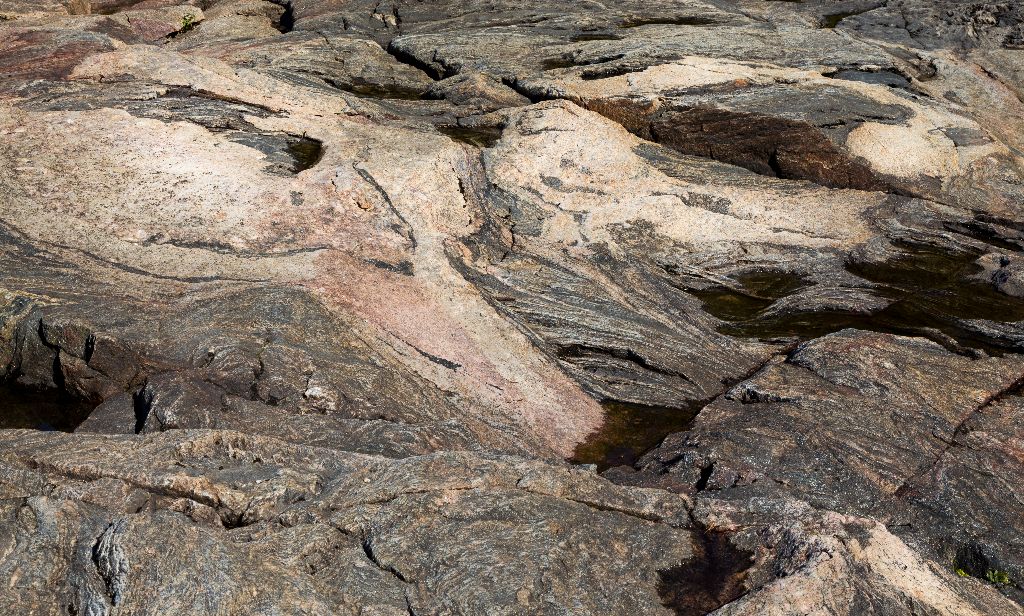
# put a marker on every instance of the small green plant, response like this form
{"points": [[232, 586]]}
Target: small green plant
{"points": [[188, 21], [994, 576], [961, 572]]}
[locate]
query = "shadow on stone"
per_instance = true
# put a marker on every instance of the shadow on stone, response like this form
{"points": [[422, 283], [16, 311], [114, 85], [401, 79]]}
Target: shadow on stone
{"points": [[972, 560], [48, 409], [711, 579]]}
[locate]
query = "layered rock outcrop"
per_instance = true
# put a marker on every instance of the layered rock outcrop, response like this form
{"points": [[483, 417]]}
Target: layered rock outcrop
{"points": [[325, 307]]}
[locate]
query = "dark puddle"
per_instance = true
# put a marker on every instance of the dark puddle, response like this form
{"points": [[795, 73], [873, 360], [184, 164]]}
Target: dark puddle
{"points": [[550, 64], [285, 154], [594, 35], [305, 153], [883, 78], [711, 579], [752, 294], [379, 91], [631, 430], [690, 20], [49, 410], [477, 137], [931, 291]]}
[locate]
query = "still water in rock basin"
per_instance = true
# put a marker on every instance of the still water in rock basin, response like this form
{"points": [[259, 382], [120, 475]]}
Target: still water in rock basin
{"points": [[933, 293], [631, 430]]}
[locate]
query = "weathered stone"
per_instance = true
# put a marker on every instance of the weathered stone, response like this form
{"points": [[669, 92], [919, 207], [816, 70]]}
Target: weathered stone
{"points": [[324, 292], [871, 425], [321, 531]]}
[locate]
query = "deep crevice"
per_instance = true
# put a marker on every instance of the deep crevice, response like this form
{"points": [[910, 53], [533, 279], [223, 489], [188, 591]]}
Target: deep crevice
{"points": [[96, 556], [688, 20], [1013, 389], [705, 476], [974, 560], [142, 405], [409, 59], [188, 24], [286, 22], [372, 557], [594, 35]]}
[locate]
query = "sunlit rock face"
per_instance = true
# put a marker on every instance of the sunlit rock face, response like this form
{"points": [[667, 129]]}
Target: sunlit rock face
{"points": [[351, 307]]}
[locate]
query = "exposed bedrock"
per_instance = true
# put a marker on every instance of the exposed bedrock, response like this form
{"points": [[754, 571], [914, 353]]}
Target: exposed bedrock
{"points": [[363, 307], [870, 424]]}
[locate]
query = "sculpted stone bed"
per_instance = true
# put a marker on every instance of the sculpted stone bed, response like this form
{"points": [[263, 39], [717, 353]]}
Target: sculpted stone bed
{"points": [[511, 307]]}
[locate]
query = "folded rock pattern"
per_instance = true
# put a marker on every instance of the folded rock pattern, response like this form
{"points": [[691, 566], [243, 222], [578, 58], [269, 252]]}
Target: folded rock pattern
{"points": [[350, 307]]}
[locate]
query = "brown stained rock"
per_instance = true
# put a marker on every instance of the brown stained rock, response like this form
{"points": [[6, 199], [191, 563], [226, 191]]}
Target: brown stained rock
{"points": [[765, 145], [31, 54], [955, 493]]}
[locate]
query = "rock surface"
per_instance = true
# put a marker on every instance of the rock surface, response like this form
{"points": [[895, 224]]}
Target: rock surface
{"points": [[330, 307]]}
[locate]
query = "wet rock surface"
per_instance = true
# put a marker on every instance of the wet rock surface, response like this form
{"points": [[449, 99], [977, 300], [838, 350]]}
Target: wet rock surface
{"points": [[330, 307]]}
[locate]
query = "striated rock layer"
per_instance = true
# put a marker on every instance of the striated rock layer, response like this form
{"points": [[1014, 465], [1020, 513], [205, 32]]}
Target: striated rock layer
{"points": [[438, 307]]}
